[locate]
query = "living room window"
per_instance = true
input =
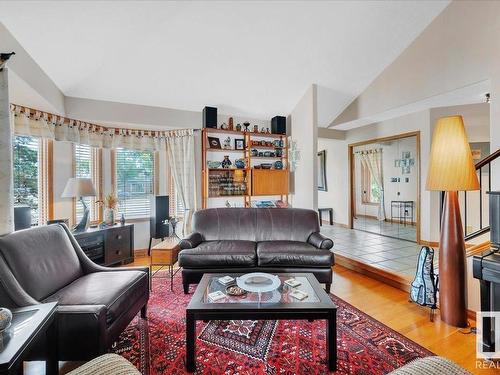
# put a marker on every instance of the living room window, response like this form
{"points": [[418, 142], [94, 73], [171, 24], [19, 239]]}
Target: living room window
{"points": [[370, 193], [134, 182], [32, 176], [87, 164]]}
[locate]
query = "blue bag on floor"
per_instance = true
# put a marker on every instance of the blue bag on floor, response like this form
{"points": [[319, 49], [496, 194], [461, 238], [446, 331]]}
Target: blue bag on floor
{"points": [[425, 286]]}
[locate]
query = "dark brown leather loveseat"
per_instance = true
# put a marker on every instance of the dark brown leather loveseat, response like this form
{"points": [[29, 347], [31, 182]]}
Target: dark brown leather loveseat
{"points": [[95, 304], [232, 240]]}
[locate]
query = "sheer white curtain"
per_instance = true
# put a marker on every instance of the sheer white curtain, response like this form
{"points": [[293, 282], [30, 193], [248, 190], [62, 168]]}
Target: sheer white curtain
{"points": [[373, 160], [181, 158]]}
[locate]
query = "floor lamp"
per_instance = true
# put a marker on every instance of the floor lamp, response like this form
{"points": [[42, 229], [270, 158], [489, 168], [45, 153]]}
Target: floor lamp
{"points": [[451, 169]]}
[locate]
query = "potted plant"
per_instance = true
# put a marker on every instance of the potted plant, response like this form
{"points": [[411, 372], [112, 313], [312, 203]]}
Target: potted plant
{"points": [[110, 206]]}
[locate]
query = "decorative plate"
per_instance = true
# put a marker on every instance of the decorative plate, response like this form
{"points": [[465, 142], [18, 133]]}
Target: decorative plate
{"points": [[234, 290], [258, 282]]}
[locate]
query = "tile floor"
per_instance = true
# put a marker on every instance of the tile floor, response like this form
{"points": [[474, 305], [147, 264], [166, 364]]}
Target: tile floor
{"points": [[390, 254], [406, 232]]}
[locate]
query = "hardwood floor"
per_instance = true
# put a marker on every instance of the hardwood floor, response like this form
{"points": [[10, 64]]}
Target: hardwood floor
{"points": [[391, 307]]}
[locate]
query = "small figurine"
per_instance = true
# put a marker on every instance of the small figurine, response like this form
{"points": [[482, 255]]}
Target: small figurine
{"points": [[238, 127], [231, 124], [263, 130], [223, 126], [246, 124], [122, 219], [256, 128], [227, 143], [267, 131]]}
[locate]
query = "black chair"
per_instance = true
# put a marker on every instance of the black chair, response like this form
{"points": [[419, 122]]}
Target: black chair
{"points": [[46, 264]]}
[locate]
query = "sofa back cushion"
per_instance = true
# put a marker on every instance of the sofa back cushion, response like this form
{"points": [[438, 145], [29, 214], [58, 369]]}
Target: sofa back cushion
{"points": [[255, 224], [42, 259]]}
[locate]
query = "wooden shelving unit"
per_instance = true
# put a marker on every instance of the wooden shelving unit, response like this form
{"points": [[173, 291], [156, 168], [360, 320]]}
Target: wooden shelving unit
{"points": [[258, 181]]}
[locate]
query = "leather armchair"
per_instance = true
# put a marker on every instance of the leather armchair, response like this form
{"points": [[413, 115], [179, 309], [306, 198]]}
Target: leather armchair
{"points": [[234, 240], [95, 304]]}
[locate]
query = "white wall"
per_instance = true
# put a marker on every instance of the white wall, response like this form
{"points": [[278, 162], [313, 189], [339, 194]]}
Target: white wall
{"points": [[337, 177], [304, 131], [459, 48], [339, 191]]}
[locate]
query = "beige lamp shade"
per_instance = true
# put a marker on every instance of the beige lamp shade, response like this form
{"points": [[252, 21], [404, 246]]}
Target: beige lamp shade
{"points": [[451, 167], [79, 187]]}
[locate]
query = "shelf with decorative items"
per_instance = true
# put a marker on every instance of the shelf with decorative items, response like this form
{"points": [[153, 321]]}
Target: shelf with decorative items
{"points": [[242, 171]]}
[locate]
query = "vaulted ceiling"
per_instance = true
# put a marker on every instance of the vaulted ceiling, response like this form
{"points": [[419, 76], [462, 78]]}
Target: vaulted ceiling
{"points": [[248, 58]]}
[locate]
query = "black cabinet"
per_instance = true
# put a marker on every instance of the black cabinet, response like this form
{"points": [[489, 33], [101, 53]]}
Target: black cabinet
{"points": [[108, 246]]}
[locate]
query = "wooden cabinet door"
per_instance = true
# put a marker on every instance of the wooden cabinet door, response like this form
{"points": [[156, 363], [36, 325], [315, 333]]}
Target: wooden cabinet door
{"points": [[269, 182]]}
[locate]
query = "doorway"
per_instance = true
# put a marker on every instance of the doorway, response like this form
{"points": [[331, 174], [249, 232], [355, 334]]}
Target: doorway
{"points": [[385, 186]]}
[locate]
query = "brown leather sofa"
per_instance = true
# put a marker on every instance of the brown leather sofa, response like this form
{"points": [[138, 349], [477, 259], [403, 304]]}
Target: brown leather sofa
{"points": [[95, 304], [235, 240]]}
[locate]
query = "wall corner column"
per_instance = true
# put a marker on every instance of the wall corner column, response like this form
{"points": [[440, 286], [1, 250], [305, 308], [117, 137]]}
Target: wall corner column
{"points": [[6, 172]]}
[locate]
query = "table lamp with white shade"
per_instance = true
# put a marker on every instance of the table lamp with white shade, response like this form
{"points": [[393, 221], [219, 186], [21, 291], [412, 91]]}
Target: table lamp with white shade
{"points": [[79, 188], [451, 169]]}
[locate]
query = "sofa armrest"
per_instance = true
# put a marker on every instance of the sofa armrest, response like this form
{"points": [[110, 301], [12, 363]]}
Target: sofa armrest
{"points": [[87, 323], [191, 241], [321, 242]]}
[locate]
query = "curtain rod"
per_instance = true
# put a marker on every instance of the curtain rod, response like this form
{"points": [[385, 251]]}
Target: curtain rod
{"points": [[371, 151], [63, 119]]}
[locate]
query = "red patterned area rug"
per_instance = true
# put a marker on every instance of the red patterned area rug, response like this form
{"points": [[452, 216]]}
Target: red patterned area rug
{"points": [[365, 346]]}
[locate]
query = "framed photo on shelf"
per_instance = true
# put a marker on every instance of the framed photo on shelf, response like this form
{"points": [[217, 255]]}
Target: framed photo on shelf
{"points": [[239, 144], [214, 142]]}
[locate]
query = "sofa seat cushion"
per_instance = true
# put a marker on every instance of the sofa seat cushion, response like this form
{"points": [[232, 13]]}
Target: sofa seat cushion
{"points": [[117, 290], [219, 254], [292, 254]]}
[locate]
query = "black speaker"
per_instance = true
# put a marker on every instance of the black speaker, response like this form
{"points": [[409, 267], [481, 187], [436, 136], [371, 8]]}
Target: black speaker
{"points": [[22, 217], [495, 218], [278, 125], [210, 117], [158, 228]]}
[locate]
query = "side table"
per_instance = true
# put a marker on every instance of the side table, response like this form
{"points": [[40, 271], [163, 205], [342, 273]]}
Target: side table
{"points": [[165, 254], [31, 326]]}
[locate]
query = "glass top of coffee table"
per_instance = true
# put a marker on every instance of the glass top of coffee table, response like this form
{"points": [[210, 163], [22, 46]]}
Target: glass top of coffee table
{"points": [[282, 297]]}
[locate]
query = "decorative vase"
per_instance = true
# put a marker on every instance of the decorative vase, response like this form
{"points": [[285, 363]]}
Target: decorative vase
{"points": [[109, 216], [122, 219], [238, 127], [226, 163], [5, 318], [239, 163]]}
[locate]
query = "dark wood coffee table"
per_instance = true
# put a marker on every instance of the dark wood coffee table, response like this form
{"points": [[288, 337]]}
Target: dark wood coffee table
{"points": [[30, 325], [276, 305]]}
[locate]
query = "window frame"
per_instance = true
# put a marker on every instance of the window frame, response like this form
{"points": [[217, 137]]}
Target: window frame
{"points": [[155, 182], [45, 178]]}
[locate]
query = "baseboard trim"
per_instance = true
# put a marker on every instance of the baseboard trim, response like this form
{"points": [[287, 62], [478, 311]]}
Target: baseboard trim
{"points": [[429, 243], [327, 222], [141, 253], [392, 279]]}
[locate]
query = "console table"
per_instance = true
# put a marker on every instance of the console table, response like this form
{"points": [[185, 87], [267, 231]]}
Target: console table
{"points": [[330, 213], [404, 210], [109, 245]]}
